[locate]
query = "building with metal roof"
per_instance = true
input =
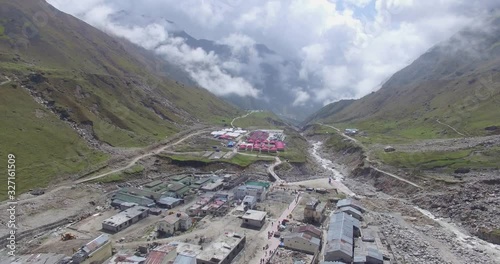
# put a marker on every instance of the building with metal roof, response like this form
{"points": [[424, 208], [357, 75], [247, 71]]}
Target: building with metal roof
{"points": [[259, 183], [122, 197], [96, 251], [152, 184], [125, 218], [342, 230], [169, 202], [351, 203], [258, 192], [181, 259], [352, 212], [302, 242], [223, 250], [249, 202]]}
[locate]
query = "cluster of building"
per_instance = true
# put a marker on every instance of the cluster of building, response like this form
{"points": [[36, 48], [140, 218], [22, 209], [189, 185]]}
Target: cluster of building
{"points": [[216, 204], [267, 141], [221, 251], [228, 133], [345, 242]]}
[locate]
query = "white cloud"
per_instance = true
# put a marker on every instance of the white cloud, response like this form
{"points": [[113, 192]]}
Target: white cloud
{"points": [[345, 48]]}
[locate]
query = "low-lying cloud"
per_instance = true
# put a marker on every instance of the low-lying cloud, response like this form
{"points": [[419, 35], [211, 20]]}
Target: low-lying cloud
{"points": [[344, 48]]}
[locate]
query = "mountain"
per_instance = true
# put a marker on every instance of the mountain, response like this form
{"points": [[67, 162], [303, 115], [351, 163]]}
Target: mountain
{"points": [[274, 75], [456, 83], [68, 89]]}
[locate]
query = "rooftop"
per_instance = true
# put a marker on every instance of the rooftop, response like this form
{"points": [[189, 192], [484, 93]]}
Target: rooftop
{"points": [[221, 247], [173, 218], [169, 200], [305, 236], [124, 216], [38, 258], [130, 198], [349, 202], [258, 183], [96, 243], [308, 228], [254, 215], [186, 249]]}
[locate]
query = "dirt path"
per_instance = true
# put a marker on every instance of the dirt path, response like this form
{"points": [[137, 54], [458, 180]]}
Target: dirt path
{"points": [[6, 82], [243, 116], [136, 159], [456, 131], [270, 170]]}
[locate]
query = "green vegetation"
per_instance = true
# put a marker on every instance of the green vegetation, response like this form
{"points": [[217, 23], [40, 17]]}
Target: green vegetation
{"points": [[46, 149], [2, 30], [470, 158], [115, 177], [239, 160], [262, 120]]}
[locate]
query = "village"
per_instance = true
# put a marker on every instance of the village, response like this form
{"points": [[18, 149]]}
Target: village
{"points": [[221, 217]]}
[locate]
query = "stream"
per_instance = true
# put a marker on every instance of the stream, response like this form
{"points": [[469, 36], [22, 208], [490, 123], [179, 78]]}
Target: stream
{"points": [[461, 237]]}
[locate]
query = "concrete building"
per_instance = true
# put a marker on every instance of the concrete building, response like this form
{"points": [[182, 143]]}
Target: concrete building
{"points": [[253, 218], [174, 222], [308, 229], [249, 202], [351, 203], [314, 212], [342, 230], [223, 250], [302, 242], [96, 251], [125, 218], [352, 212], [163, 254], [213, 186], [258, 192], [203, 200]]}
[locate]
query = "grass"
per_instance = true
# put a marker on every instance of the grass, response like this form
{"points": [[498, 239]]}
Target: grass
{"points": [[470, 158], [263, 120], [46, 148], [239, 160]]}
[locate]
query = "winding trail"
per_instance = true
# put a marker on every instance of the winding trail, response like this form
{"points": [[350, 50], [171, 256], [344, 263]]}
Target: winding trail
{"points": [[136, 159], [367, 159], [6, 82], [243, 116], [454, 129], [270, 170]]}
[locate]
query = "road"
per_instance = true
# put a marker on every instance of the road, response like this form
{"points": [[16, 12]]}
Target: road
{"points": [[461, 134], [136, 159], [5, 82], [270, 170], [368, 159], [243, 116]]}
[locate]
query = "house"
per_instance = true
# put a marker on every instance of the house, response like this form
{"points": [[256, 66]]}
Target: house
{"points": [[125, 218], [169, 202], [128, 258], [223, 250], [308, 229], [302, 242], [351, 203], [352, 212], [173, 223], [258, 192], [213, 186], [342, 230], [253, 218], [177, 190], [96, 251], [249, 202], [314, 212], [163, 254], [195, 209]]}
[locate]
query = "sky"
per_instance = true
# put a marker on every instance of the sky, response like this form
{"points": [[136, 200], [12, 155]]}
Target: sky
{"points": [[348, 47]]}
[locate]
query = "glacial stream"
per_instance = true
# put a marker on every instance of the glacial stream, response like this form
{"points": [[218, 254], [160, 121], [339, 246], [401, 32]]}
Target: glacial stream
{"points": [[461, 237]]}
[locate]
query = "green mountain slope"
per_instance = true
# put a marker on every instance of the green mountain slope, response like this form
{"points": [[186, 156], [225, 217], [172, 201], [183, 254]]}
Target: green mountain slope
{"points": [[65, 85], [456, 83]]}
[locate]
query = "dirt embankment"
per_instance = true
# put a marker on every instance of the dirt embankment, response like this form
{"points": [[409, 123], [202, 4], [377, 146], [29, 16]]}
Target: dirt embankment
{"points": [[472, 202]]}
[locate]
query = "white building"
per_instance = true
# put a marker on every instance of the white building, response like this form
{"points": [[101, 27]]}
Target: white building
{"points": [[253, 218], [302, 242], [258, 192], [223, 250], [174, 222]]}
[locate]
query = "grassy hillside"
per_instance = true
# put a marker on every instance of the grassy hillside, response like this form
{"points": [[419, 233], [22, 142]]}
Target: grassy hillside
{"points": [[262, 120], [457, 82], [63, 73]]}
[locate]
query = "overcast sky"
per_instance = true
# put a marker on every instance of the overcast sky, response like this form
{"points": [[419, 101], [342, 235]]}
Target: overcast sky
{"points": [[352, 46]]}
